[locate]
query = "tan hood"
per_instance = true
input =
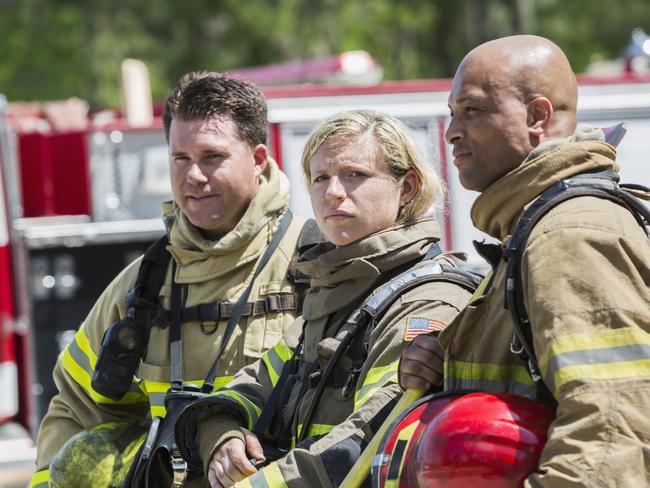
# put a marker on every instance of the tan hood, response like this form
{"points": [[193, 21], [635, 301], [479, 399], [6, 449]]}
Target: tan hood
{"points": [[195, 253], [497, 209], [342, 274]]}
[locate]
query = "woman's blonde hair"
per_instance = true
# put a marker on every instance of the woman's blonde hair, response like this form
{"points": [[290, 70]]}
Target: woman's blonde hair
{"points": [[395, 146]]}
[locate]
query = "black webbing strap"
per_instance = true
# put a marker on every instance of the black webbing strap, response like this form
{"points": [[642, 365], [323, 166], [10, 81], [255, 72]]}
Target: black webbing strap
{"points": [[283, 225], [597, 185], [223, 309]]}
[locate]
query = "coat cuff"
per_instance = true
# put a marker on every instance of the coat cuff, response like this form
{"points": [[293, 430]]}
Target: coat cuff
{"points": [[212, 432]]}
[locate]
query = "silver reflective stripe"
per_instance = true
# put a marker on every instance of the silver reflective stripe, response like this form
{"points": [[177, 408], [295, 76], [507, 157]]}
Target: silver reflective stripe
{"points": [[607, 355], [80, 357]]}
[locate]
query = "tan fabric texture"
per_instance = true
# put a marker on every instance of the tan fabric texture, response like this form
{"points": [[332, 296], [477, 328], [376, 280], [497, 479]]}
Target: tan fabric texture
{"points": [[340, 278], [586, 270], [212, 271]]}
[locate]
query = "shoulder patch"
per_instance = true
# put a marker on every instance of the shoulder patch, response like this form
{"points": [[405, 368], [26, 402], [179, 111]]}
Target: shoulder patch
{"points": [[416, 325]]}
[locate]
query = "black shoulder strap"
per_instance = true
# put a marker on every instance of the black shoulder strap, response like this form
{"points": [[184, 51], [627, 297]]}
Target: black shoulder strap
{"points": [[603, 185], [143, 297]]}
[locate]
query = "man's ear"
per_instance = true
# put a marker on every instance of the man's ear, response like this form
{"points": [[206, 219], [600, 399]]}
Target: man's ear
{"points": [[261, 157], [540, 113], [409, 187]]}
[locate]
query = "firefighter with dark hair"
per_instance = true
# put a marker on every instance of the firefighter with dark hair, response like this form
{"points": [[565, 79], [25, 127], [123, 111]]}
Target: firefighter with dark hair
{"points": [[207, 299], [564, 318], [301, 415]]}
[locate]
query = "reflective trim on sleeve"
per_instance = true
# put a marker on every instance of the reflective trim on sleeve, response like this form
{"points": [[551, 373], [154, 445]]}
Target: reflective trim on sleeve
{"points": [[40, 479], [315, 430], [463, 375], [252, 411], [275, 358], [377, 378], [156, 390], [268, 477], [79, 363], [607, 355]]}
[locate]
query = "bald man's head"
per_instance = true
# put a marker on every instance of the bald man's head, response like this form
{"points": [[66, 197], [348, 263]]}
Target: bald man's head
{"points": [[508, 96]]}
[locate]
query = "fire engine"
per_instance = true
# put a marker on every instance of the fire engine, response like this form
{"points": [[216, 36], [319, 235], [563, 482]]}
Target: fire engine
{"points": [[79, 202]]}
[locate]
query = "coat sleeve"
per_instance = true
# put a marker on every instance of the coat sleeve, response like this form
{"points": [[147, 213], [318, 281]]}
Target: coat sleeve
{"points": [[209, 422], [77, 406], [326, 460], [586, 278]]}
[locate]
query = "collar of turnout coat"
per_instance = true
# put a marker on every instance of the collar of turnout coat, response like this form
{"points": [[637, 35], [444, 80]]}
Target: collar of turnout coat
{"points": [[340, 275], [200, 257], [497, 209]]}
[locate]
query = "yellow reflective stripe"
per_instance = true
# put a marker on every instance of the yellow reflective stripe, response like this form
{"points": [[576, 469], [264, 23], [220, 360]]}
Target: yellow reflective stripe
{"points": [[268, 477], [591, 341], [598, 340], [156, 390], [253, 411], [463, 375], [40, 479], [273, 476], [275, 358], [317, 429], [606, 355], [608, 371], [245, 483], [377, 378], [84, 344], [497, 372], [83, 378]]}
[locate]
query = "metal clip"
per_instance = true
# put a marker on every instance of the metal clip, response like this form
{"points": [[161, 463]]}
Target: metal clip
{"points": [[179, 467], [516, 346], [350, 383]]}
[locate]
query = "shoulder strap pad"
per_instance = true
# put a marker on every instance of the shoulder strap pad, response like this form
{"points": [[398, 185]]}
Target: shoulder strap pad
{"points": [[425, 272]]}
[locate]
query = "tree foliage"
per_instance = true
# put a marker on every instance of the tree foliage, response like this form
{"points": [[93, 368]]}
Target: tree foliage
{"points": [[61, 48]]}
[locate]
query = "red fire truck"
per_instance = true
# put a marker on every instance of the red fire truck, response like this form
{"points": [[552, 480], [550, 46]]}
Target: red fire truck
{"points": [[78, 203]]}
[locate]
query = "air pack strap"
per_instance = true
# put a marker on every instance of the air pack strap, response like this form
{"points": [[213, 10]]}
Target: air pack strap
{"points": [[601, 185]]}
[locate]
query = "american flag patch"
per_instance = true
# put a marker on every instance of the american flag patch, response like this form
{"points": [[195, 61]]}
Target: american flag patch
{"points": [[421, 325]]}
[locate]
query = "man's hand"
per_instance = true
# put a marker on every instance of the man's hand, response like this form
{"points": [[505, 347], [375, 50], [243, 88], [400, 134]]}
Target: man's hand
{"points": [[421, 365], [230, 463]]}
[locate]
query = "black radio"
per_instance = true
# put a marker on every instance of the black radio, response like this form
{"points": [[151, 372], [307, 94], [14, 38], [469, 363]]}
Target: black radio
{"points": [[123, 346]]}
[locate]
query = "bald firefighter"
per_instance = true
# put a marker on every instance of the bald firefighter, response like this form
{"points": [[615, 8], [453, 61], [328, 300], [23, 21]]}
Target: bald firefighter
{"points": [[574, 330], [216, 288]]}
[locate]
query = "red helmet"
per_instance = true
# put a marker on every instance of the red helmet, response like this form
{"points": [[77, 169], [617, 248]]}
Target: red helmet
{"points": [[452, 440]]}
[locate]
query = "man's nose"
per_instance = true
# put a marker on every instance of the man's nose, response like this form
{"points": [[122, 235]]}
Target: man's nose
{"points": [[454, 132], [195, 174]]}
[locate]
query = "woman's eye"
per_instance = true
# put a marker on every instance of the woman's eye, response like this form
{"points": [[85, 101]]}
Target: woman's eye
{"points": [[318, 179], [357, 174]]}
